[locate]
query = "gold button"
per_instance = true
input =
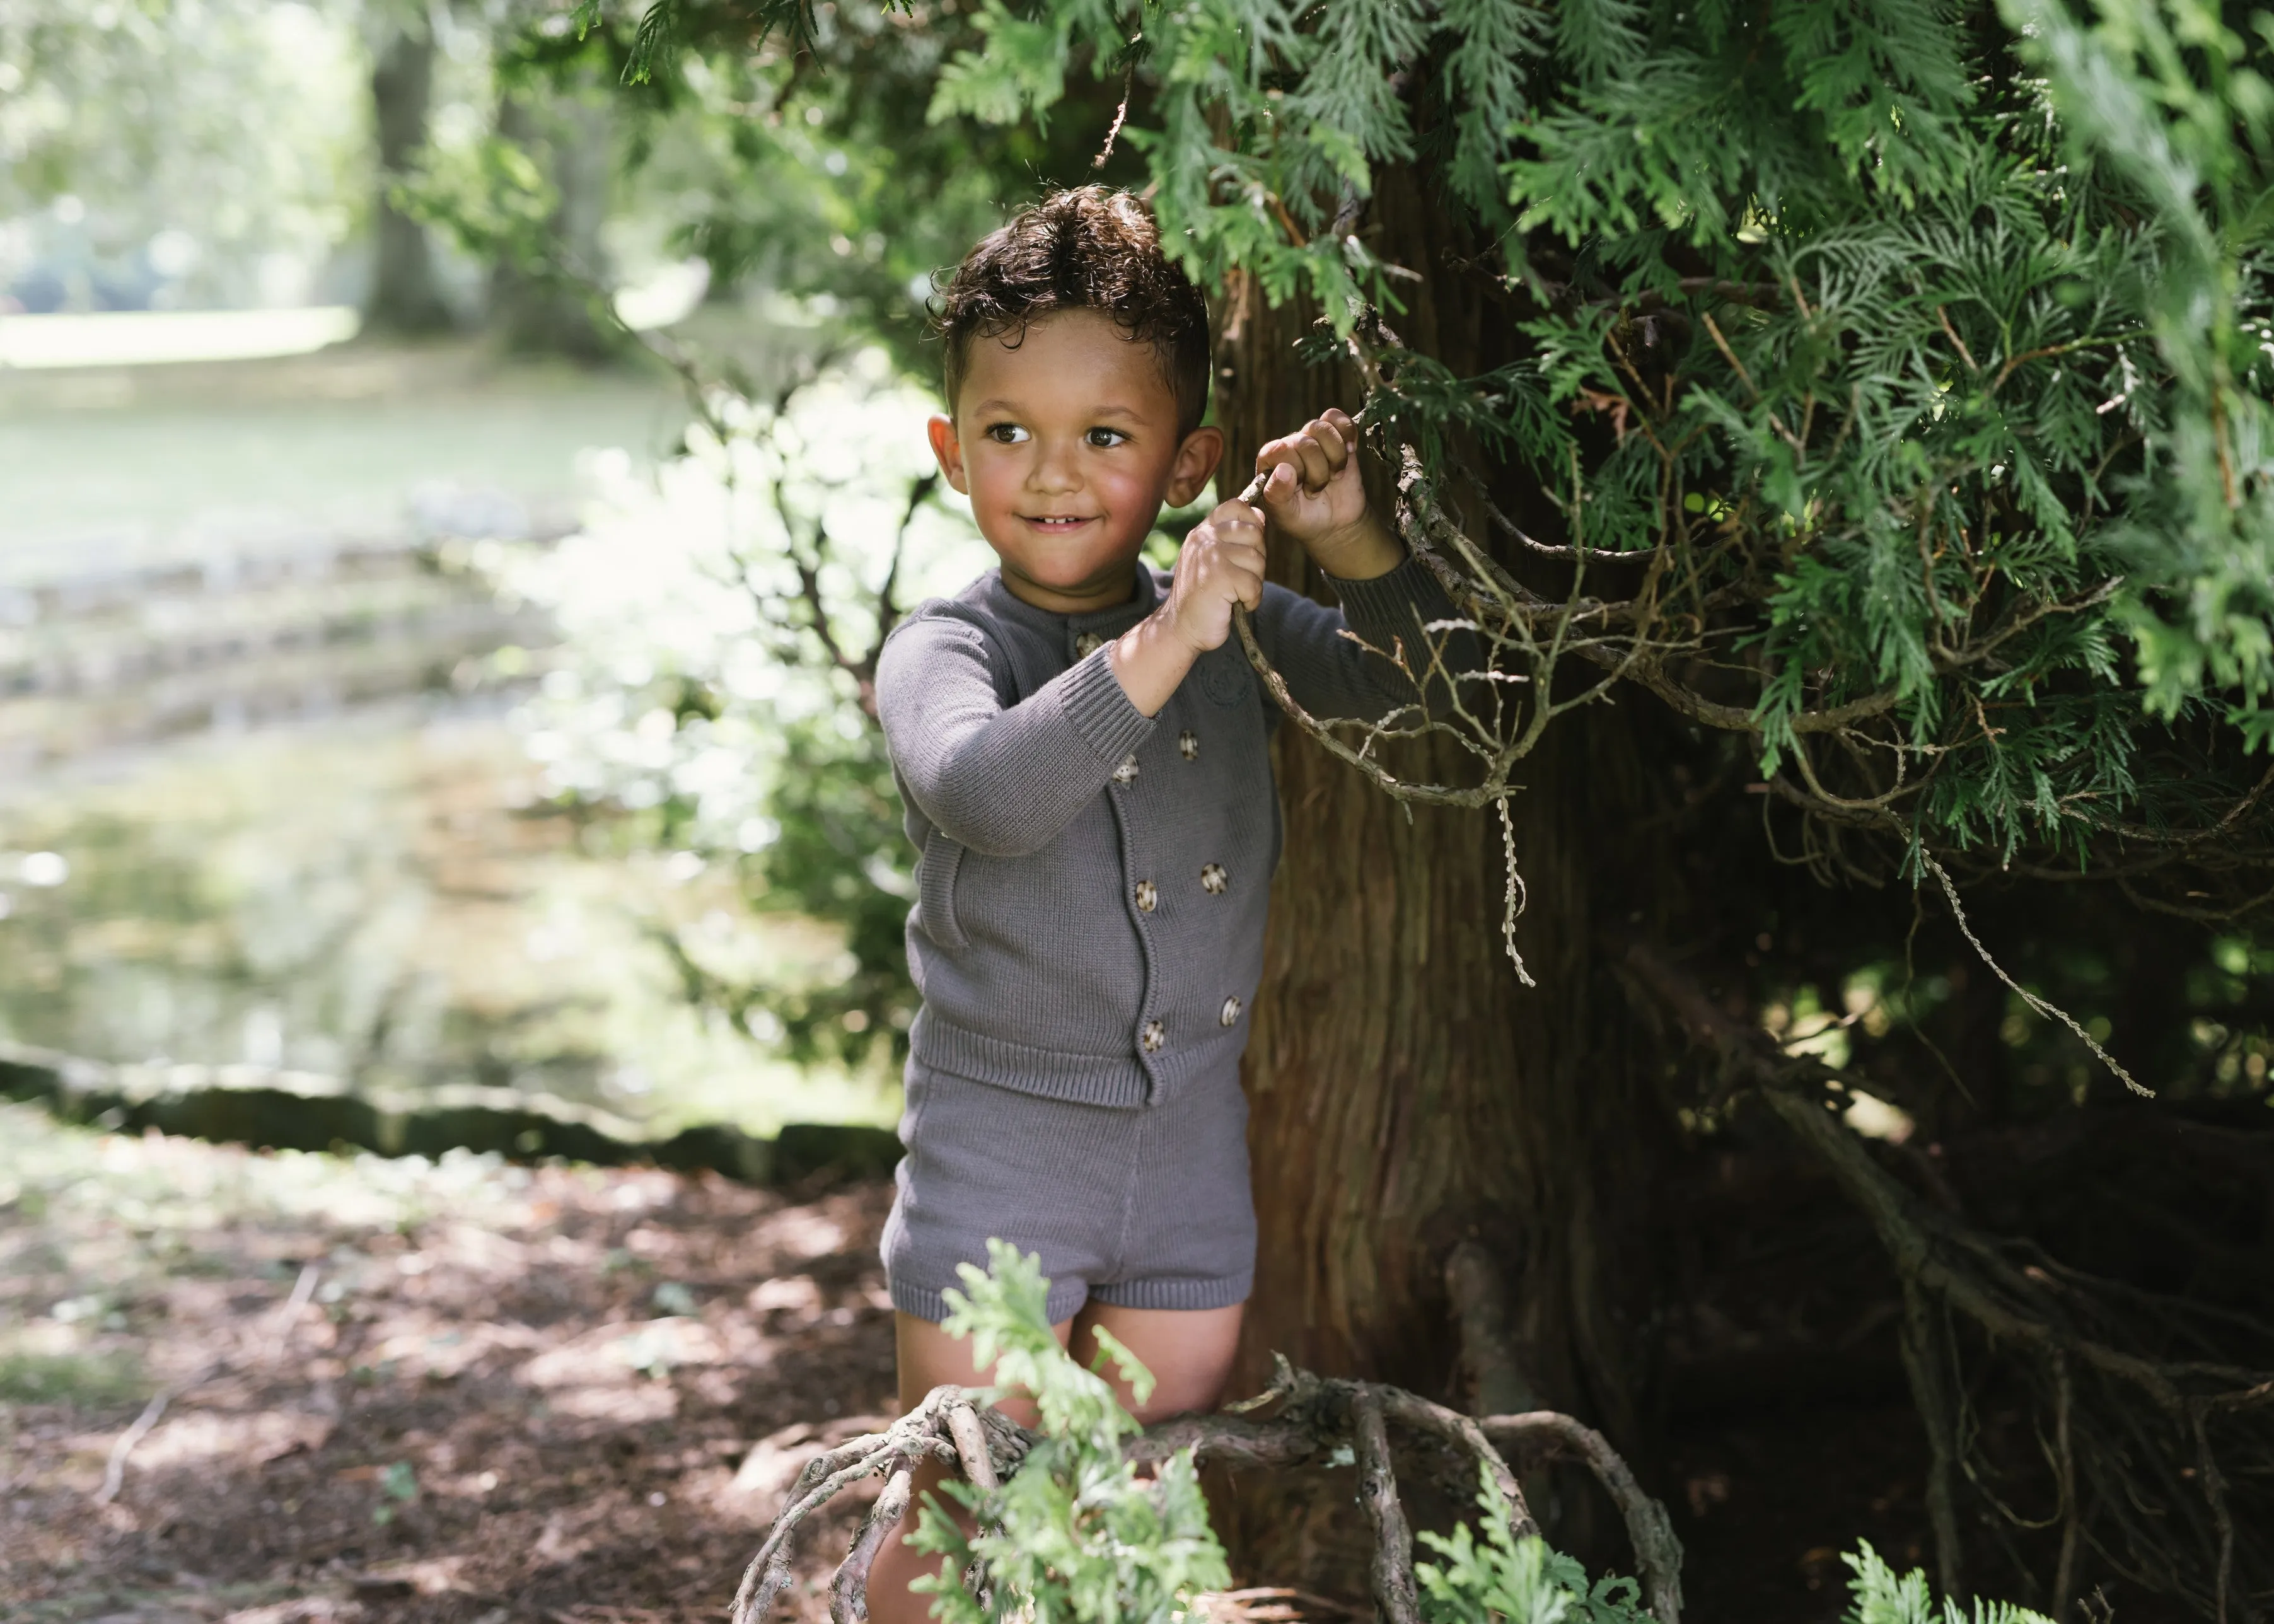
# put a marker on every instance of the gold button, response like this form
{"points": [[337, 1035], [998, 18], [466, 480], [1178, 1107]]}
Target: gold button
{"points": [[1231, 1011], [1154, 1035], [1213, 880], [1148, 897], [1087, 644], [1188, 745], [1127, 772]]}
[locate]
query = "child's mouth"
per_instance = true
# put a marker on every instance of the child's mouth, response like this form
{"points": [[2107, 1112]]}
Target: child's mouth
{"points": [[1059, 523]]}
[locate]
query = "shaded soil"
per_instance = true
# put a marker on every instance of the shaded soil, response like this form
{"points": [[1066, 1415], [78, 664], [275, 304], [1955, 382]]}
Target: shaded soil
{"points": [[474, 1393], [509, 1393]]}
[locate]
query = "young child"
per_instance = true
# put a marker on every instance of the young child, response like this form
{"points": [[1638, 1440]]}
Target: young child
{"points": [[1080, 746]]}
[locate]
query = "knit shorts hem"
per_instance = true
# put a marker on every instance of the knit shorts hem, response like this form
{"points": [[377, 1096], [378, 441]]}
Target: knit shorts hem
{"points": [[1190, 1295], [1068, 1297]]}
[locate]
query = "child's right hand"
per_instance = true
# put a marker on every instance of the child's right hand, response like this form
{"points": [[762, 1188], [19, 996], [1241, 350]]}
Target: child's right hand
{"points": [[1221, 564]]}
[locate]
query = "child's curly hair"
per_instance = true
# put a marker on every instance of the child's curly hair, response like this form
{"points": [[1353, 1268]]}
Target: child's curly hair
{"points": [[1089, 248]]}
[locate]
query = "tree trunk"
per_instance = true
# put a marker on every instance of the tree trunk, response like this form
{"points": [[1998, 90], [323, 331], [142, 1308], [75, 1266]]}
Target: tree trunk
{"points": [[1407, 1093], [405, 296], [549, 303]]}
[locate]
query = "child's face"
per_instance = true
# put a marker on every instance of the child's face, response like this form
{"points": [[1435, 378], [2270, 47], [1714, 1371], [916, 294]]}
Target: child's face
{"points": [[1067, 442]]}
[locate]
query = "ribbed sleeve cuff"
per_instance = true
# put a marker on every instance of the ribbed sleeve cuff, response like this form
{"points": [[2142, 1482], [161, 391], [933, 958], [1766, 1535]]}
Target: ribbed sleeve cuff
{"points": [[1386, 606], [1100, 710]]}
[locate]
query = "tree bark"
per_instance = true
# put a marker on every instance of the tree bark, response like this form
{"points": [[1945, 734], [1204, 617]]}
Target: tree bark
{"points": [[1407, 1093], [405, 294]]}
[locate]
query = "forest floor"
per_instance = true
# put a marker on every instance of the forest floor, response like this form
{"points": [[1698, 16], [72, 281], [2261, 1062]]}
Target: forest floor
{"points": [[477, 1394]]}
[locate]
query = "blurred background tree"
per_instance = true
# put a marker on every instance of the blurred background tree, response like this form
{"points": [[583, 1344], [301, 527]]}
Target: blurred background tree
{"points": [[406, 291], [184, 155]]}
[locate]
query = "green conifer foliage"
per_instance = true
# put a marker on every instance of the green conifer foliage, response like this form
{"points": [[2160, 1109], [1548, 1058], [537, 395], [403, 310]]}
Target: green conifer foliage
{"points": [[1922, 350]]}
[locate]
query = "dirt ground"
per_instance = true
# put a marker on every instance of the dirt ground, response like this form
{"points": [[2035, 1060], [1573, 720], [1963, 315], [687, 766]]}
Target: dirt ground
{"points": [[478, 1394], [465, 1393]]}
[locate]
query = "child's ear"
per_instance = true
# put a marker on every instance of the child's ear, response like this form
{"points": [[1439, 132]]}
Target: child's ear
{"points": [[949, 450], [1194, 467]]}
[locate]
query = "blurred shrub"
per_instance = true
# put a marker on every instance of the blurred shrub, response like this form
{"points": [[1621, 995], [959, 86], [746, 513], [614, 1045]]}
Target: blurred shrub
{"points": [[711, 699]]}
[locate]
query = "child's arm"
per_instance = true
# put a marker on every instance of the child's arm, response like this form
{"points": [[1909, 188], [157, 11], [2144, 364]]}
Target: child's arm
{"points": [[1316, 495], [1003, 782]]}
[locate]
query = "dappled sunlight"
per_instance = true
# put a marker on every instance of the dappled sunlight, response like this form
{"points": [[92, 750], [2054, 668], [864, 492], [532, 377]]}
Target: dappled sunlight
{"points": [[534, 1382]]}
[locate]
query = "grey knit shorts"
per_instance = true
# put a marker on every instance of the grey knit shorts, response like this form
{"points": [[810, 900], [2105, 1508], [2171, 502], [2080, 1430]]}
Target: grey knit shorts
{"points": [[1139, 1208]]}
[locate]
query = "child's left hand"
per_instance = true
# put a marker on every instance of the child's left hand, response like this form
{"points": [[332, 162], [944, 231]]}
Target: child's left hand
{"points": [[1315, 494]]}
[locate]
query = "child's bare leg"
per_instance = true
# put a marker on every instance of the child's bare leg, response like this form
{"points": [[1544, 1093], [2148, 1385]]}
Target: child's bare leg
{"points": [[929, 1356], [1189, 1350]]}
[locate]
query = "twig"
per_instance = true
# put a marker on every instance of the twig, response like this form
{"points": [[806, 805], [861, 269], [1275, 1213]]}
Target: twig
{"points": [[2043, 1008], [1450, 1426], [971, 1445], [1657, 1552], [848, 1591], [1121, 113], [1727, 354], [114, 1471], [1316, 1416], [1377, 1488], [1519, 894]]}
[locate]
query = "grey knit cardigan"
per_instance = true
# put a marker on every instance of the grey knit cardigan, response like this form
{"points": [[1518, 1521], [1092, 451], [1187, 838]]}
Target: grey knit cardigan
{"points": [[1091, 893]]}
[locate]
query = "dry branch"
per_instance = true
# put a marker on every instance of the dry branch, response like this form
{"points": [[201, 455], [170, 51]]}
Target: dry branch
{"points": [[1315, 1419], [1657, 1552], [848, 1591], [114, 1470], [1670, 625], [1377, 1490]]}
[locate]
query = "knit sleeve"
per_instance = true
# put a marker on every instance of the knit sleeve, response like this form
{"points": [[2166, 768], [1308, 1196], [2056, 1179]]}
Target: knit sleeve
{"points": [[1003, 781], [1329, 675]]}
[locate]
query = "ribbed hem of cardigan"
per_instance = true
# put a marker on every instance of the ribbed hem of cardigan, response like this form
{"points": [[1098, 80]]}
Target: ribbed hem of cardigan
{"points": [[1392, 604], [1100, 709], [1083, 1080]]}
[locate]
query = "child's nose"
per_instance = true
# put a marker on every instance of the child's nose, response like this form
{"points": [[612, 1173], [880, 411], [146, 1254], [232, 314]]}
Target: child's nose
{"points": [[1057, 468]]}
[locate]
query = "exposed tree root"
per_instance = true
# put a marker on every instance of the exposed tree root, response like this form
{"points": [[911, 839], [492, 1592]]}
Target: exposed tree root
{"points": [[2146, 1445], [1315, 1419]]}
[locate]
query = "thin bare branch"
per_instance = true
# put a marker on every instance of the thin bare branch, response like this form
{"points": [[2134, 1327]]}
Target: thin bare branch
{"points": [[1393, 1590]]}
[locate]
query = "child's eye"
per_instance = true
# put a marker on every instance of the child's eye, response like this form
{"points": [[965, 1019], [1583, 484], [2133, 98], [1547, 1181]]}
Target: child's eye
{"points": [[1105, 440], [1007, 433]]}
